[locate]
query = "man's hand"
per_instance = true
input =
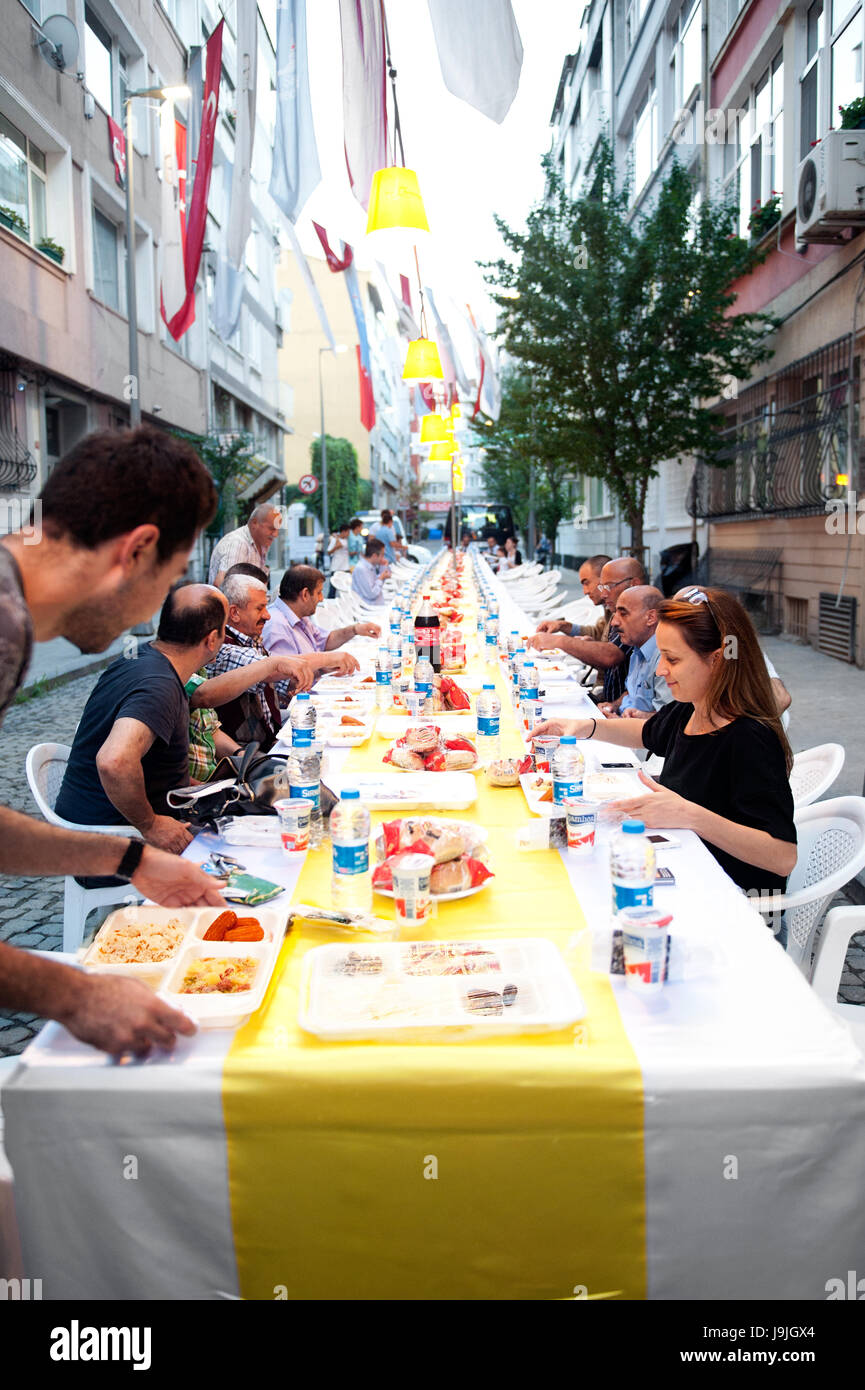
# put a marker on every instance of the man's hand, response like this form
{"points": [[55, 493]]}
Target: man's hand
{"points": [[168, 834], [542, 641], [174, 882], [554, 625], [367, 630], [119, 1015], [293, 668], [341, 664], [610, 711]]}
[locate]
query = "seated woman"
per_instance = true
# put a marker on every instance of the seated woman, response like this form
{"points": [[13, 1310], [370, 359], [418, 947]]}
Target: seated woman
{"points": [[727, 759]]}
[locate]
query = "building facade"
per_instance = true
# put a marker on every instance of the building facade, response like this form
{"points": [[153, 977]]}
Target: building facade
{"points": [[64, 351], [739, 94]]}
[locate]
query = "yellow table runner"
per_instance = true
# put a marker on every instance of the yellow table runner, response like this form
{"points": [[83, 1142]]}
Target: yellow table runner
{"points": [[506, 1168]]}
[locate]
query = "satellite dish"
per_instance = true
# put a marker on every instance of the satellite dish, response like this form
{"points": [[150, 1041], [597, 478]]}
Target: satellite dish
{"points": [[57, 41]]}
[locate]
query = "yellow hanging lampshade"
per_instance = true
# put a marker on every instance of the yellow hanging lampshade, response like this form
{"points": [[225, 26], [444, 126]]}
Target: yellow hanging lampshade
{"points": [[395, 201], [432, 429], [440, 453], [422, 361], [455, 411]]}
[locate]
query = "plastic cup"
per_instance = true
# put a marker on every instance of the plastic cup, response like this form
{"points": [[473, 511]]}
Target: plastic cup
{"points": [[415, 701], [645, 940], [545, 747], [581, 818], [411, 888], [294, 820]]}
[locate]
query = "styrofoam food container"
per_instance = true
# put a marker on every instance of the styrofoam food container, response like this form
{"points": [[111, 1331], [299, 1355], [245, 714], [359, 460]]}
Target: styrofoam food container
{"points": [[225, 1010], [411, 791], [339, 1007]]}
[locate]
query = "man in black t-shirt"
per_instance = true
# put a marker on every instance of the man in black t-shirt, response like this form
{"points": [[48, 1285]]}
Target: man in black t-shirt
{"points": [[132, 745]]}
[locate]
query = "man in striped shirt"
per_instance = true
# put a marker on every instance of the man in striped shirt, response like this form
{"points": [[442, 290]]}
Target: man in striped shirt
{"points": [[249, 544]]}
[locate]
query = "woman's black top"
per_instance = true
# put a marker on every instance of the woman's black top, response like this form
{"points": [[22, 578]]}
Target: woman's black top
{"points": [[738, 772]]}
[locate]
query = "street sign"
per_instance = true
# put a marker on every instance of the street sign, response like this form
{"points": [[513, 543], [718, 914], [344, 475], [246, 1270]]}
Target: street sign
{"points": [[308, 483]]}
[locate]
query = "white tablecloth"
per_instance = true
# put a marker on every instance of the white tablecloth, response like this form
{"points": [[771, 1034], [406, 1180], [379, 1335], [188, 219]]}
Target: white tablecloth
{"points": [[754, 1127]]}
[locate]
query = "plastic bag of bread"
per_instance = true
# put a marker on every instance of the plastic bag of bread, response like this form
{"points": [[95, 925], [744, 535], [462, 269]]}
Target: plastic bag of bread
{"points": [[504, 772], [458, 874]]}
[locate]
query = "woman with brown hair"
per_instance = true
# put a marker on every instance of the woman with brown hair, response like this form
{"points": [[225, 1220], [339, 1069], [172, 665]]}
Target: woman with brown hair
{"points": [[727, 759]]}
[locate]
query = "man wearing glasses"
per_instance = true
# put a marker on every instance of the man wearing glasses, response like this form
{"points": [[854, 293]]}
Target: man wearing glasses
{"points": [[607, 655]]}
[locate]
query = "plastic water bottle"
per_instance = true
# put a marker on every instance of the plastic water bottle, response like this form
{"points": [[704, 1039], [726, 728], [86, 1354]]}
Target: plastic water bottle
{"points": [[493, 607], [516, 672], [383, 678], [528, 681], [301, 716], [492, 640], [304, 780], [489, 720], [482, 618], [513, 643], [423, 680], [568, 767], [632, 866], [351, 880]]}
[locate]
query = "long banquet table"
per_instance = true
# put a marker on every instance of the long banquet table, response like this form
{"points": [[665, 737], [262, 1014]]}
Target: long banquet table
{"points": [[727, 1165]]}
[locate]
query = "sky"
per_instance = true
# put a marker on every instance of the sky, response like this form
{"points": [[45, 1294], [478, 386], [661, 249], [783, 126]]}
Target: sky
{"points": [[468, 167]]}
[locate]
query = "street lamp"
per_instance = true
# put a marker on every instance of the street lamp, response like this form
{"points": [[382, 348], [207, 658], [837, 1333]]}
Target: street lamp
{"points": [[340, 347], [154, 94]]}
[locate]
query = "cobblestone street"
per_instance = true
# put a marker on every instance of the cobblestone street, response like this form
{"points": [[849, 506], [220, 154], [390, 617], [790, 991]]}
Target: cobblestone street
{"points": [[31, 909]]}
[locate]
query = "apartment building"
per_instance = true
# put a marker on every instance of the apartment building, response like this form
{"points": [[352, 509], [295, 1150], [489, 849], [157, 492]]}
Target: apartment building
{"points": [[64, 355], [740, 93]]}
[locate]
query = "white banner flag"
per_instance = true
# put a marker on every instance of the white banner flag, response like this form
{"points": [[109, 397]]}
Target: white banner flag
{"points": [[364, 93], [240, 212], [296, 170], [173, 286], [480, 52]]}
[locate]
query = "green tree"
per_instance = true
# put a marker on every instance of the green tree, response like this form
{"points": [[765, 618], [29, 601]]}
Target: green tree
{"points": [[624, 327], [511, 446], [232, 465], [343, 481]]}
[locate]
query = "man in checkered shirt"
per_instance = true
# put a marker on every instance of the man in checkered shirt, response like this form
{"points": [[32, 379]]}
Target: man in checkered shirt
{"points": [[249, 544], [253, 716]]}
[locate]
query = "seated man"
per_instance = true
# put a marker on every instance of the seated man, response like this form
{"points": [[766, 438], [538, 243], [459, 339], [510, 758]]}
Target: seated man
{"points": [[367, 580], [590, 577], [637, 617], [290, 631], [254, 714], [132, 745]]}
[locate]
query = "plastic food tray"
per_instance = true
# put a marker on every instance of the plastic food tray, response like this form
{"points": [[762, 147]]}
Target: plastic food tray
{"points": [[224, 1010], [392, 726], [395, 1003], [532, 795], [410, 791]]}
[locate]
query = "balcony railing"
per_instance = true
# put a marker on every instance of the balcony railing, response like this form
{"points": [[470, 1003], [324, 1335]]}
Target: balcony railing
{"points": [[779, 462]]}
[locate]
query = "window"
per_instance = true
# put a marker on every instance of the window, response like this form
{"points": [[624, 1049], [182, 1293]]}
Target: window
{"points": [[97, 60], [35, 8], [22, 180], [634, 13], [688, 59], [644, 143], [832, 75], [108, 283], [759, 167]]}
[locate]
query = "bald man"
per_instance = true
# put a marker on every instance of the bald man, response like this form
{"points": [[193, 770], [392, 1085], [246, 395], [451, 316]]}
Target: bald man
{"points": [[249, 544], [636, 616], [132, 745]]}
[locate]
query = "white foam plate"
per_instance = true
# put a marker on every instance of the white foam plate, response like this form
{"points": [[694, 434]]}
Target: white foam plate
{"points": [[411, 791], [339, 1007], [393, 726], [442, 897]]}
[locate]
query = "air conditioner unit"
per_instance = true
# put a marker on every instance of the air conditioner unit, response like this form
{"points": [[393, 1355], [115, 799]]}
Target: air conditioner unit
{"points": [[830, 184]]}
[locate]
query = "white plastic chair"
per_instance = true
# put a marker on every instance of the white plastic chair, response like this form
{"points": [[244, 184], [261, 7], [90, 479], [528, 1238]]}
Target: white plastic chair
{"points": [[814, 771], [11, 1266], [831, 852], [46, 764], [341, 581], [829, 957]]}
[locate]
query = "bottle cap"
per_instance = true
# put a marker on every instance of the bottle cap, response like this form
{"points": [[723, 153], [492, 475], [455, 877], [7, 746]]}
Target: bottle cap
{"points": [[349, 795], [489, 686], [527, 664], [568, 738], [633, 827], [303, 695]]}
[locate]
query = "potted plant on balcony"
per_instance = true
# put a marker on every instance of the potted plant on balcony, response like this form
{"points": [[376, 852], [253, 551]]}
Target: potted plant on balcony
{"points": [[10, 218], [764, 216], [853, 114], [50, 248]]}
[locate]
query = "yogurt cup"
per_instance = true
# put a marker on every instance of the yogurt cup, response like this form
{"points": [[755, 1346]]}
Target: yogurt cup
{"points": [[411, 887], [545, 746], [645, 940], [581, 819], [294, 818]]}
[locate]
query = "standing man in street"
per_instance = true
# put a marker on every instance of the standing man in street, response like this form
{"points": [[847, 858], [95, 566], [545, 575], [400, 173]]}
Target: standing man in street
{"points": [[249, 544], [115, 526]]}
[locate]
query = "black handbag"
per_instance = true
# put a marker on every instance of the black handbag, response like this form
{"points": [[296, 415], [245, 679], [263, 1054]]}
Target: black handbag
{"points": [[246, 783]]}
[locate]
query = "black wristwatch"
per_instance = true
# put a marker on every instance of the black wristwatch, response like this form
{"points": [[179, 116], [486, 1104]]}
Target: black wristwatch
{"points": [[131, 859]]}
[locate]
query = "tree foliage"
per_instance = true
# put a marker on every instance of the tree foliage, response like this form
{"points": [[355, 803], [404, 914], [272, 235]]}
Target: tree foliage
{"points": [[232, 465], [343, 480], [622, 327]]}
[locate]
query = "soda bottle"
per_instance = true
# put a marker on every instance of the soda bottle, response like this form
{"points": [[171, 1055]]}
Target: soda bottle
{"points": [[632, 866], [489, 719], [568, 767], [428, 634], [351, 880]]}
